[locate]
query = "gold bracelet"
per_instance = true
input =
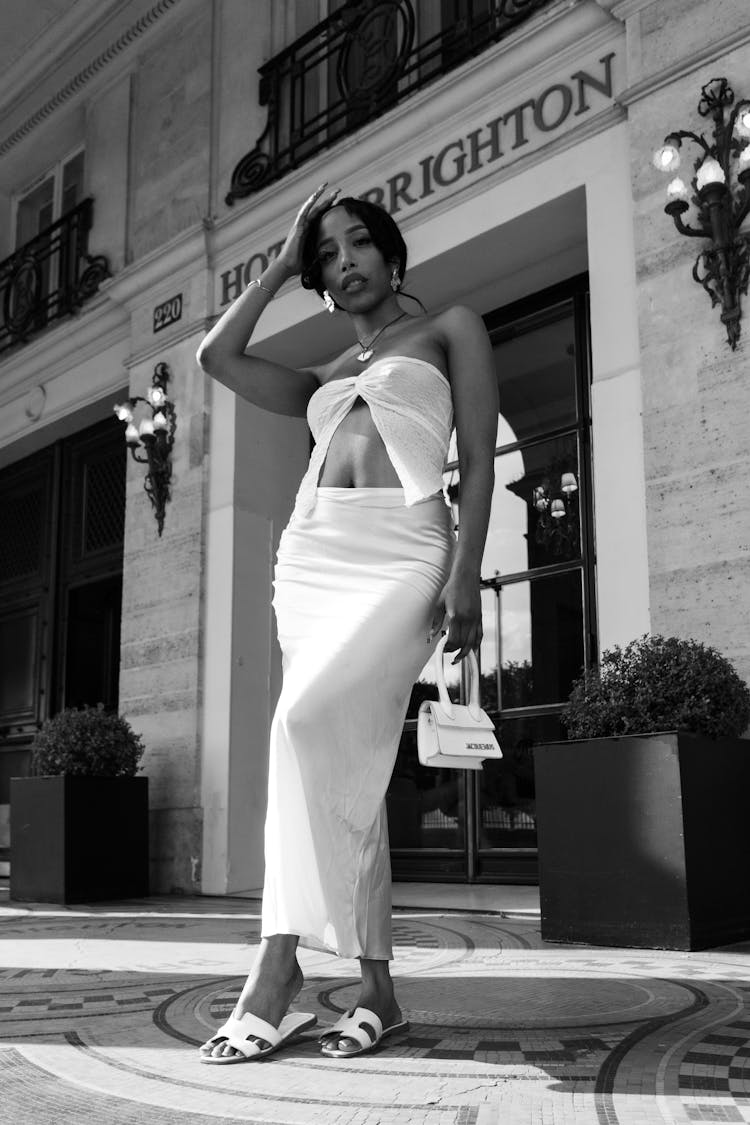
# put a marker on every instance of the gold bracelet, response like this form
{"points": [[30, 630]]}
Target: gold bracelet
{"points": [[259, 283]]}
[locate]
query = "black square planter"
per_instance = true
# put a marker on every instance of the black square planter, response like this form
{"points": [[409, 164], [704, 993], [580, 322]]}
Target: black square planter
{"points": [[644, 841], [78, 839]]}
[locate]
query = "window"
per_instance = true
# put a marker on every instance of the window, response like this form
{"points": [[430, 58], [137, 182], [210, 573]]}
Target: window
{"points": [[40, 278], [58, 192]]}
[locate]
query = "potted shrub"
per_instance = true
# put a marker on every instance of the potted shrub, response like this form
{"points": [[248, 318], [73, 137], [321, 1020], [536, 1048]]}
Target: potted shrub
{"points": [[643, 826], [79, 824]]}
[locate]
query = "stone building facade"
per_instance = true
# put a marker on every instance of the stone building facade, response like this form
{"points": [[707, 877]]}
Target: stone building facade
{"points": [[521, 168]]}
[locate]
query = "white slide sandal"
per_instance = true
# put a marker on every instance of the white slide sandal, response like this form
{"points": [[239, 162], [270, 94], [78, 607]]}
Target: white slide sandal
{"points": [[364, 1027], [242, 1033]]}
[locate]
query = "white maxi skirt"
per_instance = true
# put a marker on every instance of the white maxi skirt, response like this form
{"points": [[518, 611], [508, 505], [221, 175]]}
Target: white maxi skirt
{"points": [[356, 584]]}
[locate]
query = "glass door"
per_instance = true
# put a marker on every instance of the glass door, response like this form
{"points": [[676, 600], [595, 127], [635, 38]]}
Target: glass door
{"points": [[537, 599]]}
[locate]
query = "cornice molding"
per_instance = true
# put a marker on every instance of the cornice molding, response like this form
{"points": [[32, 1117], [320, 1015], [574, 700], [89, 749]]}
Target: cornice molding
{"points": [[68, 32], [192, 329], [624, 9], [58, 349], [21, 434], [688, 65], [83, 77]]}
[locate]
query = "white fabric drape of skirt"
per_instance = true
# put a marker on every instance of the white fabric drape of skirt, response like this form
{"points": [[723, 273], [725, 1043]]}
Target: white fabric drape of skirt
{"points": [[356, 583]]}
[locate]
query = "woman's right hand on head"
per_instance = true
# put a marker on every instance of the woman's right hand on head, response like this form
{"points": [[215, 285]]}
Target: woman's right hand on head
{"points": [[291, 252]]}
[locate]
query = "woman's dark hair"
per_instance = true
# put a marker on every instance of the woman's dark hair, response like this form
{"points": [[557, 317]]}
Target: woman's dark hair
{"points": [[383, 231]]}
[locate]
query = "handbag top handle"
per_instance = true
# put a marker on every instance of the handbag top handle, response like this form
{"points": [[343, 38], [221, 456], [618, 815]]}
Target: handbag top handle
{"points": [[445, 701]]}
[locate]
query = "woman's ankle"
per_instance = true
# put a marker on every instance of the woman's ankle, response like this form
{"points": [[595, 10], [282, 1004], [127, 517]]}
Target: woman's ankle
{"points": [[278, 957], [376, 977]]}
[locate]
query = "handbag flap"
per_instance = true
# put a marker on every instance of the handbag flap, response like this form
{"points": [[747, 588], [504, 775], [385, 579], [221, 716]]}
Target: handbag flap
{"points": [[461, 718], [463, 739]]}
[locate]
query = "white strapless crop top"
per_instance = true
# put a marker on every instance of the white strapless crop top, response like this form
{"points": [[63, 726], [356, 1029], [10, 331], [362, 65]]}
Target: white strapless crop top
{"points": [[412, 410]]}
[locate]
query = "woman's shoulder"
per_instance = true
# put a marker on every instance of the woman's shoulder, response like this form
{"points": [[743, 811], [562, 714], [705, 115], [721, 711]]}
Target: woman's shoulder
{"points": [[458, 320]]}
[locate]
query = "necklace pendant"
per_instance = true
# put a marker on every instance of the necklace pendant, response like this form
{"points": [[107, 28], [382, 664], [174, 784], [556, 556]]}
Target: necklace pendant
{"points": [[368, 349]]}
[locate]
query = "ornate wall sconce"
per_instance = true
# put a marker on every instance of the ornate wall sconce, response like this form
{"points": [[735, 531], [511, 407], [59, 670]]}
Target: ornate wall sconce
{"points": [[557, 512], [154, 434], [720, 195]]}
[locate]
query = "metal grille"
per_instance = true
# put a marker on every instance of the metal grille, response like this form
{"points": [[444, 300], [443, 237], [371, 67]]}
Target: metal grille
{"points": [[21, 533], [104, 502], [49, 277], [355, 65]]}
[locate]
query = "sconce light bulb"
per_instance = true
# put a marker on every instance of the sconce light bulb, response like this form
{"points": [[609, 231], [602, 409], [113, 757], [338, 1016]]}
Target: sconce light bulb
{"points": [[667, 158], [160, 420], [677, 189], [132, 437], [539, 499], [156, 396], [710, 172], [146, 428], [123, 412], [558, 510], [568, 482], [742, 124]]}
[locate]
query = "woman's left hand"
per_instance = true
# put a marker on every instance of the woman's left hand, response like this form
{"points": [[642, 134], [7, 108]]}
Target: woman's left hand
{"points": [[460, 608]]}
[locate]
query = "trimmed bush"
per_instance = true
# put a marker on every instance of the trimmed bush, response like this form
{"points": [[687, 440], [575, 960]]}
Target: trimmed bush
{"points": [[91, 742], [656, 684]]}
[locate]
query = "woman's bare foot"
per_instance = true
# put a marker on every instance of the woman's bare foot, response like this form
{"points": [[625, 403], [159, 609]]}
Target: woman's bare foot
{"points": [[378, 998], [273, 984]]}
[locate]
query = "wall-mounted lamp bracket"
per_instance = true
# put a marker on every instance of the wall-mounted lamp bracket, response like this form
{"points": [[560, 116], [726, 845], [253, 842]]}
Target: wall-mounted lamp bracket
{"points": [[720, 197], [154, 436]]}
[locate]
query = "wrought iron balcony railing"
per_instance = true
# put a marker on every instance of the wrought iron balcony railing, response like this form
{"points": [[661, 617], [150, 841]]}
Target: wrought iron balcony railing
{"points": [[49, 277], [354, 65]]}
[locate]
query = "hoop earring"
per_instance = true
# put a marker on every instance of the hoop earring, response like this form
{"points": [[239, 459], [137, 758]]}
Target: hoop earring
{"points": [[395, 280], [329, 302]]}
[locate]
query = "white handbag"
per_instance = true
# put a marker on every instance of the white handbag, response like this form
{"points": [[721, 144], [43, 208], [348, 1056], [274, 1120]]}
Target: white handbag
{"points": [[454, 735]]}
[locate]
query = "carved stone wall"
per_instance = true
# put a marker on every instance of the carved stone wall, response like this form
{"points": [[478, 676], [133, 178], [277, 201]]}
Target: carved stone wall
{"points": [[170, 148]]}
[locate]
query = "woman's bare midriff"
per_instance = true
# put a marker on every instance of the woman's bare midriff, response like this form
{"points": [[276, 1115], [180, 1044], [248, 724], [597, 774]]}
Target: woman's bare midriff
{"points": [[357, 457]]}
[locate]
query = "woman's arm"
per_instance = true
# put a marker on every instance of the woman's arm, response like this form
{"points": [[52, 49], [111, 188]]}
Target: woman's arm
{"points": [[221, 354], [475, 406]]}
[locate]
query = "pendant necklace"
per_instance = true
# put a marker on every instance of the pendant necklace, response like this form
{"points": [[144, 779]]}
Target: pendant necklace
{"points": [[367, 349]]}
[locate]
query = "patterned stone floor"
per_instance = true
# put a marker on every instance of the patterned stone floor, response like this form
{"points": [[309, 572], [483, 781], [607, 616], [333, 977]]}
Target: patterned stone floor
{"points": [[102, 1008]]}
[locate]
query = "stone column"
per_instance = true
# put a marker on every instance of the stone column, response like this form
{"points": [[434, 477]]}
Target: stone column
{"points": [[161, 649]]}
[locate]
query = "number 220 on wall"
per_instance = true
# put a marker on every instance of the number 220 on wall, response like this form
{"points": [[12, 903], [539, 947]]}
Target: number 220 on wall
{"points": [[167, 312]]}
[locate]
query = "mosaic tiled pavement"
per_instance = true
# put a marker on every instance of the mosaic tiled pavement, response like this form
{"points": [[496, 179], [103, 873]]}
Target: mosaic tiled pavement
{"points": [[102, 1008]]}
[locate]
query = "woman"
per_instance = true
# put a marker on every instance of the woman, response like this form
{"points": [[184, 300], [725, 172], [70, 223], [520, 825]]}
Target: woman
{"points": [[368, 570]]}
